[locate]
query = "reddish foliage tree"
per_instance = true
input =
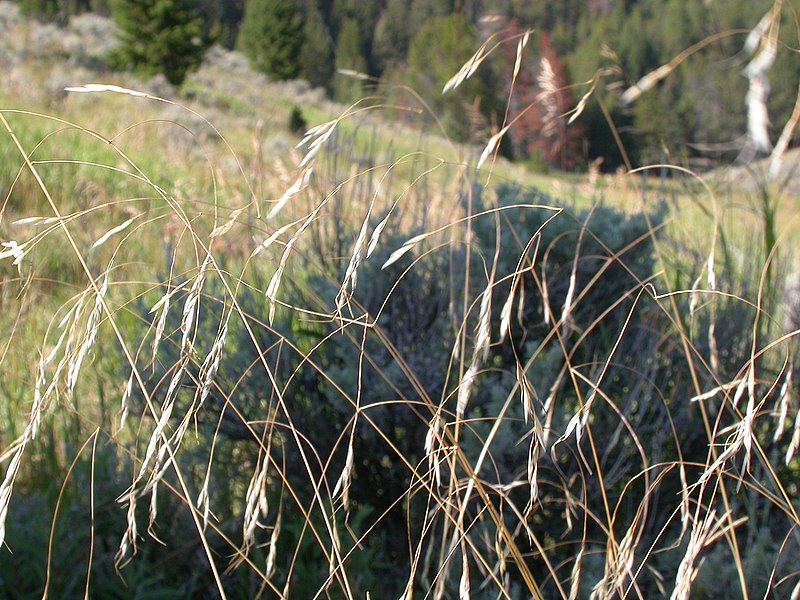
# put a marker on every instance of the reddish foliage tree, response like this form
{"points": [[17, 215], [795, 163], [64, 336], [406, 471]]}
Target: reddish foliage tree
{"points": [[599, 8], [537, 103], [557, 143], [522, 97]]}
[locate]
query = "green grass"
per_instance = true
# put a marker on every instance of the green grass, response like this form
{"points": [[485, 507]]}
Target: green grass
{"points": [[375, 430]]}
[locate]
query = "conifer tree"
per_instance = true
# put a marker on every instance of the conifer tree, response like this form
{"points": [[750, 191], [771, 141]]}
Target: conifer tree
{"points": [[392, 35], [422, 11], [316, 57], [365, 14], [271, 36], [58, 10], [222, 20], [349, 57], [436, 53], [42, 10], [159, 36]]}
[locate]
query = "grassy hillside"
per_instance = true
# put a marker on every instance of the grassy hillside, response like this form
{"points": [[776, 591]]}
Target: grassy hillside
{"points": [[241, 360]]}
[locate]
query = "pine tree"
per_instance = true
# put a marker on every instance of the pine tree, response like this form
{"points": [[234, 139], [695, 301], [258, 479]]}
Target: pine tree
{"points": [[222, 19], [422, 11], [58, 10], [365, 14], [436, 53], [271, 36], [100, 7], [159, 36], [43, 10], [316, 57], [392, 35], [349, 57]]}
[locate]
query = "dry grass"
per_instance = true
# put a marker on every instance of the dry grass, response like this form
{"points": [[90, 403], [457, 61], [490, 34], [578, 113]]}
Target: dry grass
{"points": [[575, 439]]}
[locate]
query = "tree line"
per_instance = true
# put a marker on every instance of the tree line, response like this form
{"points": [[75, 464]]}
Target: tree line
{"points": [[398, 50]]}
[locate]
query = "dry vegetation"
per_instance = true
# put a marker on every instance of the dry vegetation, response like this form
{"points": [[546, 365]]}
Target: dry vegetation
{"points": [[361, 367]]}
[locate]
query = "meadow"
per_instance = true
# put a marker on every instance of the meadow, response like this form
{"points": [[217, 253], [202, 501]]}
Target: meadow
{"points": [[354, 359]]}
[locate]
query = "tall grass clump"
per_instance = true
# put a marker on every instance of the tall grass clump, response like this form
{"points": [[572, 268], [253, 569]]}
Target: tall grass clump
{"points": [[354, 371]]}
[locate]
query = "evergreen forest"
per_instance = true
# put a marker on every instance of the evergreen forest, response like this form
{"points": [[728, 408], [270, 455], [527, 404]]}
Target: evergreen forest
{"points": [[696, 117]]}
